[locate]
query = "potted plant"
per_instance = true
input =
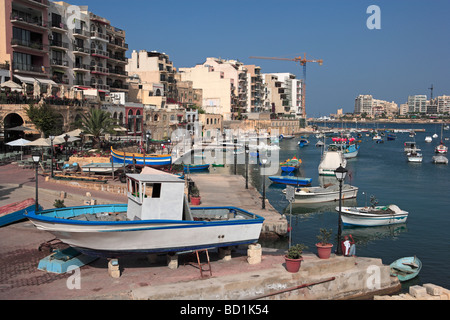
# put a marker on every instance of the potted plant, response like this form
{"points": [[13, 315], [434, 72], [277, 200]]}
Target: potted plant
{"points": [[195, 196], [324, 246], [294, 258]]}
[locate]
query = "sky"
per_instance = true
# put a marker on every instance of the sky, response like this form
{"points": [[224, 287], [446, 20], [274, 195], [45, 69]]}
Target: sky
{"points": [[408, 54]]}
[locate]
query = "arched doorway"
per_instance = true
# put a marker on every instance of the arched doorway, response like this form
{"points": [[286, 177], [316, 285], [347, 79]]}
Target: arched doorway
{"points": [[12, 120]]}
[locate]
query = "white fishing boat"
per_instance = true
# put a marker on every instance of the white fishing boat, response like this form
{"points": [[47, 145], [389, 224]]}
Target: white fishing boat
{"points": [[372, 216], [106, 167], [414, 156], [156, 219], [411, 146], [440, 159], [332, 158], [324, 194]]}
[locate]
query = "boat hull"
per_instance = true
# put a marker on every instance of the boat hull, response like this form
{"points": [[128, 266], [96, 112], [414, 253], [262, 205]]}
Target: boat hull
{"points": [[199, 167], [291, 180], [141, 159], [99, 168], [318, 197], [14, 212], [352, 216], [101, 238]]}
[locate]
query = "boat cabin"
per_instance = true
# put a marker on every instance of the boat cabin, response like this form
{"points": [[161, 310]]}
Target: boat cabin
{"points": [[155, 197]]}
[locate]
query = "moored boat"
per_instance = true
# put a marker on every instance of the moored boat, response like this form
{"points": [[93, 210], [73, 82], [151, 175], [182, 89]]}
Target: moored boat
{"points": [[195, 167], [428, 139], [331, 160], [100, 167], [14, 212], [295, 181], [406, 268], [414, 156], [373, 216], [156, 219], [440, 159], [139, 159], [290, 165], [324, 194]]}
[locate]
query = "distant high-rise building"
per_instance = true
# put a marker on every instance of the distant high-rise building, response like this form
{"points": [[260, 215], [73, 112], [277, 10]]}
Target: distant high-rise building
{"points": [[417, 103]]}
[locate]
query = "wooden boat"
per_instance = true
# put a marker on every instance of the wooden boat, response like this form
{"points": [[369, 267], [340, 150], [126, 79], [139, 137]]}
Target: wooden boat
{"points": [[15, 211], [152, 160], [295, 181], [99, 167], [350, 150], [406, 268], [195, 167], [372, 216], [290, 165], [324, 194], [156, 219]]}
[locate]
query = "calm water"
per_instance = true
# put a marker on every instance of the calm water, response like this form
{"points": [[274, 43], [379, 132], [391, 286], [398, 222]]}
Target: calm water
{"points": [[380, 170]]}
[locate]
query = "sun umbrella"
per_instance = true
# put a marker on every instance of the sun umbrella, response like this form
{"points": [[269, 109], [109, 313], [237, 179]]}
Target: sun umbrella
{"points": [[19, 128], [12, 85], [19, 143], [41, 142]]}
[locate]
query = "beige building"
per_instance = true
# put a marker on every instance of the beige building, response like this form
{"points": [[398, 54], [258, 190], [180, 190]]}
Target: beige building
{"points": [[211, 124], [152, 78]]}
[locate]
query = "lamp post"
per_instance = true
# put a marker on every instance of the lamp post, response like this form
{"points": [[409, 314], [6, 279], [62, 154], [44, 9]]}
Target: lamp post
{"points": [[247, 150], [66, 138], [340, 176], [264, 161], [148, 135], [52, 138], [36, 158]]}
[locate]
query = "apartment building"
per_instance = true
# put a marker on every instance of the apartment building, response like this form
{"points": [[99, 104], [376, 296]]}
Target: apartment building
{"points": [[255, 90], [187, 95], [363, 104], [417, 103], [152, 78], [46, 41], [289, 91], [442, 103]]}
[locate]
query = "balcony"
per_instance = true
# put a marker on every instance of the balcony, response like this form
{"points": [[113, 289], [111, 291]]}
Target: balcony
{"points": [[99, 53], [38, 3], [83, 83], [38, 46], [59, 44], [26, 20], [81, 67], [97, 18], [118, 72], [59, 63], [81, 50], [118, 58], [118, 87], [21, 67], [118, 45], [99, 86], [81, 33], [99, 36], [115, 31], [99, 70], [58, 26]]}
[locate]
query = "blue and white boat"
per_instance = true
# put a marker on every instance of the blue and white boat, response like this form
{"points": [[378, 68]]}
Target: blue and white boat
{"points": [[14, 212], [295, 181], [350, 150], [156, 219], [372, 216], [303, 142], [195, 167]]}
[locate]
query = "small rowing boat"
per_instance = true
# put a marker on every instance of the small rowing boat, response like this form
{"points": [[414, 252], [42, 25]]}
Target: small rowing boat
{"points": [[373, 216], [406, 268], [15, 211]]}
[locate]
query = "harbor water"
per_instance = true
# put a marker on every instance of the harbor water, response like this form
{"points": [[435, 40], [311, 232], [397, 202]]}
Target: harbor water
{"points": [[380, 170]]}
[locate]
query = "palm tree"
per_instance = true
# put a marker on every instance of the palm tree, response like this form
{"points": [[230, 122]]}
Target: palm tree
{"points": [[96, 123]]}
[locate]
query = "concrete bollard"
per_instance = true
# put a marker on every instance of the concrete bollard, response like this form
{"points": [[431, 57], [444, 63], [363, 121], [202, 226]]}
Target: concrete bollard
{"points": [[254, 254], [93, 202], [113, 268], [172, 261], [62, 195]]}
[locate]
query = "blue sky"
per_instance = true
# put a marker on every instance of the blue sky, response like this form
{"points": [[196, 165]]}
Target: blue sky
{"points": [[410, 52]]}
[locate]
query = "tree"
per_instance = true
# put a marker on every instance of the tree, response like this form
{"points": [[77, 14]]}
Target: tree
{"points": [[96, 123], [44, 118]]}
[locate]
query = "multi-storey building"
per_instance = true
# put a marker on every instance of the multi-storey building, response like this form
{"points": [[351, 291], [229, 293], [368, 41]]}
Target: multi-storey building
{"points": [[43, 40], [187, 95], [417, 103], [290, 94], [363, 104], [443, 104], [255, 91], [153, 78]]}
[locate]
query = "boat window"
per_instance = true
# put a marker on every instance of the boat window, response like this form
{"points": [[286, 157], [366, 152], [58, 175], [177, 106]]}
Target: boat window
{"points": [[153, 190]]}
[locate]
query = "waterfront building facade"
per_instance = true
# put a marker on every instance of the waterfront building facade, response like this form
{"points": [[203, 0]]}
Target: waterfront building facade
{"points": [[417, 104]]}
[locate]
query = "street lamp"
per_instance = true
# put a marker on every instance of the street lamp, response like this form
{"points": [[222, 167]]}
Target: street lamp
{"points": [[148, 135], [66, 138], [264, 161], [247, 151], [340, 173], [36, 156], [51, 147]]}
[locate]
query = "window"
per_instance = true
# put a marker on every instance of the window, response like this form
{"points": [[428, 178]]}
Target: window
{"points": [[152, 190]]}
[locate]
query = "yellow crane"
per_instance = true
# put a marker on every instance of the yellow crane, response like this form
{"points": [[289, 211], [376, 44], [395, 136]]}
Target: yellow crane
{"points": [[302, 61]]}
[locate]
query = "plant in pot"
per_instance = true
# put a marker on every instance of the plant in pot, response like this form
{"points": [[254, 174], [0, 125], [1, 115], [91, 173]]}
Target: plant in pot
{"points": [[294, 258], [324, 246], [195, 195]]}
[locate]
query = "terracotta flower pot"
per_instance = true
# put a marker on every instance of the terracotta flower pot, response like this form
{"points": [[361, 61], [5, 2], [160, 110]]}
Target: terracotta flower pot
{"points": [[324, 251], [195, 201], [293, 265]]}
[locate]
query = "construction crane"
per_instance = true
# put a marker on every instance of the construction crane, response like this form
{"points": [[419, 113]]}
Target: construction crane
{"points": [[302, 61]]}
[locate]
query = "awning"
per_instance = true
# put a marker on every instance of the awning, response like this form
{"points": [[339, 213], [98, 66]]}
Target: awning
{"points": [[47, 81], [28, 80], [82, 88]]}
